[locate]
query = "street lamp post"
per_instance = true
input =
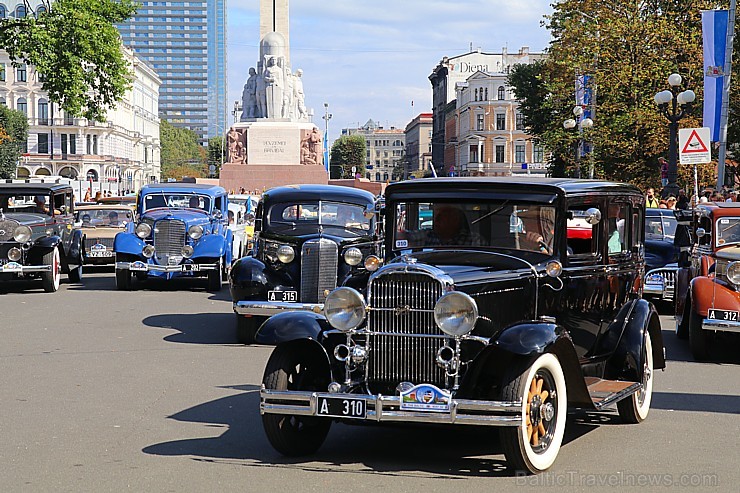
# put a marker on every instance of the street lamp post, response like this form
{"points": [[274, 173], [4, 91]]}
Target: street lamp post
{"points": [[583, 124], [327, 116], [674, 105]]}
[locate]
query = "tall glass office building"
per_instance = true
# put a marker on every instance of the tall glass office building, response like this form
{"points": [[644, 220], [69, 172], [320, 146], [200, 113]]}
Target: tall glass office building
{"points": [[185, 42]]}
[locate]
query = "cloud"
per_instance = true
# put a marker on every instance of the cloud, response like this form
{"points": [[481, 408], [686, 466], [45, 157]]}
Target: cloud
{"points": [[371, 59]]}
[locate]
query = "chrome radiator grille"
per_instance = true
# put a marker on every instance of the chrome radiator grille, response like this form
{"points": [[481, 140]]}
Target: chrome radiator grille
{"points": [[669, 283], [7, 228], [169, 238], [319, 263], [108, 242], [403, 306]]}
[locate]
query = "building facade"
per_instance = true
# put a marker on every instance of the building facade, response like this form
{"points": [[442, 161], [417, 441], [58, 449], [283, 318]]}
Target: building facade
{"points": [[444, 79], [490, 137], [385, 149], [123, 152], [418, 145], [185, 42]]}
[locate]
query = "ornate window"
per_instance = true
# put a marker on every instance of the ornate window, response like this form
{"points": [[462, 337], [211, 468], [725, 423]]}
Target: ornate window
{"points": [[501, 93], [22, 106], [20, 12]]}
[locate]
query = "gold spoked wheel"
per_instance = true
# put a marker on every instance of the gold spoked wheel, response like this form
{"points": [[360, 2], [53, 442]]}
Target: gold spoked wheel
{"points": [[537, 405]]}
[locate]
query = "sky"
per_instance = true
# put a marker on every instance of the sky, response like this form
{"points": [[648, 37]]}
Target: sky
{"points": [[369, 59]]}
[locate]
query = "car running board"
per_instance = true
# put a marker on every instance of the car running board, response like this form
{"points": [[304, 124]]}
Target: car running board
{"points": [[605, 392]]}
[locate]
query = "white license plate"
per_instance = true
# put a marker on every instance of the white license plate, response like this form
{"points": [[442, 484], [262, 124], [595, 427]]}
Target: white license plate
{"points": [[339, 407], [99, 253], [724, 315], [287, 296]]}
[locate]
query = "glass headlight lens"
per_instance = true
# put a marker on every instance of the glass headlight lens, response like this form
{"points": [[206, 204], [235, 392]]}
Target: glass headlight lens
{"points": [[143, 230], [456, 313], [14, 254], [733, 272], [195, 232], [187, 251], [344, 309], [353, 256], [372, 263], [285, 254], [22, 234], [148, 251]]}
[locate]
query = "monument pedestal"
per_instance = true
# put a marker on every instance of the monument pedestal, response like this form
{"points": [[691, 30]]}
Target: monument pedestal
{"points": [[268, 153]]}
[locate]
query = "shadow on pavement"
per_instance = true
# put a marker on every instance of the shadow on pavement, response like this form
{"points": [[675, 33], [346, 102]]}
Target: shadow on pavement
{"points": [[704, 403], [723, 348], [196, 328], [424, 451]]}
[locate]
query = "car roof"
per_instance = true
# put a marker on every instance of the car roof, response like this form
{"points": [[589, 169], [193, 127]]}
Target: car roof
{"points": [[184, 187], [96, 207], [318, 192], [518, 184], [33, 188]]}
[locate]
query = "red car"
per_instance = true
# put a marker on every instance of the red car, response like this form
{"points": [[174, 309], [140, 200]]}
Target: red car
{"points": [[707, 292]]}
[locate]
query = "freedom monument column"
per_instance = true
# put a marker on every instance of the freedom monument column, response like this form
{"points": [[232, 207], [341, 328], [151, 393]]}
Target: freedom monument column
{"points": [[274, 143]]}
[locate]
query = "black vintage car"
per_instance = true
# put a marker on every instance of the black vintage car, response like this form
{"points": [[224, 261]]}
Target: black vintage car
{"points": [[37, 237], [487, 312], [661, 255], [309, 240]]}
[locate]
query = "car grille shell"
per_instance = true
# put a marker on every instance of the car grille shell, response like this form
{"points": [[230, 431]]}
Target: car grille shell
{"points": [[169, 238], [319, 264], [7, 228]]}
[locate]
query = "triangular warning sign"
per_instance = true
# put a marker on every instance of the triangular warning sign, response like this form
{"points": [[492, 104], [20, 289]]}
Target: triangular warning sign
{"points": [[694, 144]]}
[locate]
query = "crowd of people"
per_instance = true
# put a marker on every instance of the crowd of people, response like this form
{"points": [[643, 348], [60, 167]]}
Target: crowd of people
{"points": [[684, 202]]}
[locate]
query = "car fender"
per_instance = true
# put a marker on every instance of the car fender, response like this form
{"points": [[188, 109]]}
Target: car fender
{"points": [[210, 246], [42, 246], [708, 292], [307, 348], [128, 243], [76, 248], [626, 362], [289, 326], [529, 340]]}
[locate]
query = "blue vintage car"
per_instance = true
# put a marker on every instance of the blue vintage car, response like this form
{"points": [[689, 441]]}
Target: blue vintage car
{"points": [[181, 231]]}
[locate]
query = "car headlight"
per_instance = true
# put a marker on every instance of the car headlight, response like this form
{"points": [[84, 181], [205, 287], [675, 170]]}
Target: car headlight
{"points": [[22, 234], [353, 256], [733, 272], [285, 254], [195, 231], [143, 230], [372, 263], [187, 251], [148, 251], [14, 254], [344, 309], [456, 313]]}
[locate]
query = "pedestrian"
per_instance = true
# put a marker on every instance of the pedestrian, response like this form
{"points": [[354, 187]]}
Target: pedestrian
{"points": [[650, 200], [87, 196], [671, 202], [683, 200], [98, 196], [662, 204], [663, 171]]}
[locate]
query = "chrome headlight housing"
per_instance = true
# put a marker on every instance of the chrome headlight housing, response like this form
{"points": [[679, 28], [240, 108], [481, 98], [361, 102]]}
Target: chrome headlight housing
{"points": [[456, 313], [733, 272], [353, 256], [195, 231], [285, 254], [187, 251], [148, 251], [372, 263], [22, 234], [143, 230], [344, 309], [14, 254]]}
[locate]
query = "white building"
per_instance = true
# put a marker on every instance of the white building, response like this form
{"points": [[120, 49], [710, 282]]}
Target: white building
{"points": [[120, 154]]}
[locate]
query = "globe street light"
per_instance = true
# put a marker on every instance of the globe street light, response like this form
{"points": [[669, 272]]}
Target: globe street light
{"points": [[674, 105], [583, 124]]}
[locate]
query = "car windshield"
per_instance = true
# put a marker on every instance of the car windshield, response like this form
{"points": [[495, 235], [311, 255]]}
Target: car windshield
{"points": [[11, 203], [104, 218], [480, 224], [660, 227], [728, 231], [176, 201], [301, 216]]}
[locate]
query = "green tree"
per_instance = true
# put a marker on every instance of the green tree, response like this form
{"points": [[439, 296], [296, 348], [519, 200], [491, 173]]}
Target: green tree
{"points": [[216, 153], [629, 49], [76, 47], [13, 133], [347, 151], [180, 153]]}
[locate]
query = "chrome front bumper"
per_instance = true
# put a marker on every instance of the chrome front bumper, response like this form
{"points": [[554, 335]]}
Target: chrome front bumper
{"points": [[384, 408], [723, 325], [145, 267], [270, 308], [23, 269]]}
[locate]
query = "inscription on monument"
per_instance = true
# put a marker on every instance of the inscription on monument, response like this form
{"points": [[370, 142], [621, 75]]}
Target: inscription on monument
{"points": [[273, 145]]}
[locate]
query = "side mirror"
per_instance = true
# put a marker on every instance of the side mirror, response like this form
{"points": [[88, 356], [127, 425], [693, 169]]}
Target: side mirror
{"points": [[217, 214], [593, 216]]}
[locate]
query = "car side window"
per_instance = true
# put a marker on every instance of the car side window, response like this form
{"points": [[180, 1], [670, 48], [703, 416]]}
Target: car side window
{"points": [[617, 228], [583, 244], [637, 235]]}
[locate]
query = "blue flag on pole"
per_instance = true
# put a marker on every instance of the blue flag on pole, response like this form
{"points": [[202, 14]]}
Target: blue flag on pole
{"points": [[326, 151], [714, 31]]}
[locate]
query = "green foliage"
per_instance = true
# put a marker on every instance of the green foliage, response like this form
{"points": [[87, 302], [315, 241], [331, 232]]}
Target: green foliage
{"points": [[13, 132], [76, 47], [347, 151], [629, 48], [216, 153], [180, 152]]}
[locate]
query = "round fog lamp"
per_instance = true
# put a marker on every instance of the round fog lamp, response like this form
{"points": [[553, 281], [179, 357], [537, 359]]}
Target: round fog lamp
{"points": [[187, 251], [353, 256], [344, 309], [456, 313], [554, 268], [372, 263], [148, 251], [733, 272], [285, 254], [195, 231], [14, 254], [143, 230], [22, 234]]}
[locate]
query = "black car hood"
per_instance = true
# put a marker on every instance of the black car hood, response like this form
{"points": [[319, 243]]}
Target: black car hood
{"points": [[465, 265], [27, 218], [300, 236]]}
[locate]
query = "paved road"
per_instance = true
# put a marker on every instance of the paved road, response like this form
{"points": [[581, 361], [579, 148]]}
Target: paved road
{"points": [[147, 391]]}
